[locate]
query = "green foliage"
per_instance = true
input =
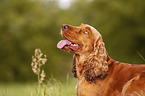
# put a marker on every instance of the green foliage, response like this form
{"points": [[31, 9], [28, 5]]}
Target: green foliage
{"points": [[29, 24]]}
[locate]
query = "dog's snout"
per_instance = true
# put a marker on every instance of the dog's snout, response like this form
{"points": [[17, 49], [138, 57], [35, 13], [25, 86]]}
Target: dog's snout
{"points": [[64, 26]]}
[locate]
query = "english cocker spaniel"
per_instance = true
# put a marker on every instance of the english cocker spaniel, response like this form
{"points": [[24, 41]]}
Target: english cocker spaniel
{"points": [[97, 73]]}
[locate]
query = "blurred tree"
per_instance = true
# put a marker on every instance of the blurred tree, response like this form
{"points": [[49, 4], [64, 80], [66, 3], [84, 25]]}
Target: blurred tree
{"points": [[29, 24], [25, 25]]}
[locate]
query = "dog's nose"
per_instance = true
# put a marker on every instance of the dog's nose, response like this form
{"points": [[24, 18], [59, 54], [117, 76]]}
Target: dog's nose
{"points": [[64, 26]]}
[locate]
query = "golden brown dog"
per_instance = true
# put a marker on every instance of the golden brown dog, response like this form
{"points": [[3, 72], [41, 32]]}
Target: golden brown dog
{"points": [[97, 73]]}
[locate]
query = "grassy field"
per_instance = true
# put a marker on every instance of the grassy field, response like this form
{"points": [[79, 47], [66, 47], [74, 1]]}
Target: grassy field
{"points": [[16, 89], [51, 88]]}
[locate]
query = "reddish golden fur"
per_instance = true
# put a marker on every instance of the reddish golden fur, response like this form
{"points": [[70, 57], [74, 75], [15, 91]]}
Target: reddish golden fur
{"points": [[97, 73]]}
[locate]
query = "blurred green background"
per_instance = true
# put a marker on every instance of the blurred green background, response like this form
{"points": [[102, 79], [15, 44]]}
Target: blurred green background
{"points": [[29, 24]]}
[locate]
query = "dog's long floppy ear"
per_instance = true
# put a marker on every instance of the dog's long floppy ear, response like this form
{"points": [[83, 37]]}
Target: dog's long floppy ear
{"points": [[96, 65], [97, 42], [74, 71]]}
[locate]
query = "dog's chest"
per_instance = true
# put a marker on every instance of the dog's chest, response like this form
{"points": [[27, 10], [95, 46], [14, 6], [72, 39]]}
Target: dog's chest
{"points": [[85, 88]]}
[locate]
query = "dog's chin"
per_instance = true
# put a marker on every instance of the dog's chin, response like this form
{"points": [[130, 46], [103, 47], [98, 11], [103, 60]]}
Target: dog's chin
{"points": [[69, 50]]}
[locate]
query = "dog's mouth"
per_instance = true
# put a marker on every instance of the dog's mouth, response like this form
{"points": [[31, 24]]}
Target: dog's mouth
{"points": [[67, 44]]}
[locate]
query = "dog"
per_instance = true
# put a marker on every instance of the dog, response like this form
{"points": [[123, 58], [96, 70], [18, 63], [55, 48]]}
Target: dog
{"points": [[98, 74]]}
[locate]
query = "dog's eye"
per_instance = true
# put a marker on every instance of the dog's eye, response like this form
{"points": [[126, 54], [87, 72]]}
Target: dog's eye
{"points": [[86, 32]]}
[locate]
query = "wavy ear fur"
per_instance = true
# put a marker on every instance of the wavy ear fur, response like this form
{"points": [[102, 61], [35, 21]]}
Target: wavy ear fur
{"points": [[74, 71], [96, 64]]}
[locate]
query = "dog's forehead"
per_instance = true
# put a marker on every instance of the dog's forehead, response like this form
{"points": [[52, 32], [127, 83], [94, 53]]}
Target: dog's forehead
{"points": [[86, 25], [91, 27]]}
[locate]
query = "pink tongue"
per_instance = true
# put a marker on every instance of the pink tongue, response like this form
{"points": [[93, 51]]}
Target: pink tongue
{"points": [[62, 43]]}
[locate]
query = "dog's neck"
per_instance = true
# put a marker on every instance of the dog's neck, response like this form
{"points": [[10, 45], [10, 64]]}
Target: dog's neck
{"points": [[94, 65]]}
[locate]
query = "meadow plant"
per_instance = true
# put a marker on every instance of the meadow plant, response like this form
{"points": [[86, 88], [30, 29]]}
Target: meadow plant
{"points": [[53, 87], [37, 61]]}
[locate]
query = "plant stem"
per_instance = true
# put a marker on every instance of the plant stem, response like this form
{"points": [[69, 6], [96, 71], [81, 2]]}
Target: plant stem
{"points": [[39, 79], [38, 84]]}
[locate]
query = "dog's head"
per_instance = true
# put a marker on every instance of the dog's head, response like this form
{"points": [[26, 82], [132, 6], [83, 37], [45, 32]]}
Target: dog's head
{"points": [[80, 39], [87, 41]]}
